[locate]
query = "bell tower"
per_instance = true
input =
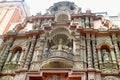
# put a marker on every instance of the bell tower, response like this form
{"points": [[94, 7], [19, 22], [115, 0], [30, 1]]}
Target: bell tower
{"points": [[11, 12]]}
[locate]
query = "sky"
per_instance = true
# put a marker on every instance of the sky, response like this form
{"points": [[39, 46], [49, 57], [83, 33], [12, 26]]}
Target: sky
{"points": [[112, 7]]}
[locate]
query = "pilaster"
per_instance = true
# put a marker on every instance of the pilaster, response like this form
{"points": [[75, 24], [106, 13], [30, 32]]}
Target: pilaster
{"points": [[77, 57]]}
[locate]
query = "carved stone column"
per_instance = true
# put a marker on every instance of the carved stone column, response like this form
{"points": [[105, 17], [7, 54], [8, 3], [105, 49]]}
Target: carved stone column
{"points": [[94, 53], [87, 22], [20, 61], [9, 57], [82, 42], [90, 64], [1, 53], [29, 57], [26, 51], [91, 22], [83, 23], [79, 23], [41, 50], [116, 49], [5, 54]]}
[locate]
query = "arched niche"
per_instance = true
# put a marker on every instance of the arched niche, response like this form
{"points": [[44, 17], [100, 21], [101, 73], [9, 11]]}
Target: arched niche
{"points": [[58, 53], [105, 50], [60, 33], [16, 53]]}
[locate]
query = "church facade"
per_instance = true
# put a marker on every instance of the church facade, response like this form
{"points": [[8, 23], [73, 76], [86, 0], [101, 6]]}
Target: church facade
{"points": [[63, 44]]}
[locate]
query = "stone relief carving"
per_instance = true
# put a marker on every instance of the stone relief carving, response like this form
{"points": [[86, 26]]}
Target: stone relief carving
{"points": [[21, 42], [20, 76], [110, 68], [7, 78], [106, 56], [104, 40], [55, 77], [110, 78]]}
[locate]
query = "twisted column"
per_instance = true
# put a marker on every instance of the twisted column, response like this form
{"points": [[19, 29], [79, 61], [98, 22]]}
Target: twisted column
{"points": [[9, 57], [20, 61], [99, 56], [90, 65], [94, 53], [83, 47], [5, 54], [26, 52], [29, 57], [116, 49]]}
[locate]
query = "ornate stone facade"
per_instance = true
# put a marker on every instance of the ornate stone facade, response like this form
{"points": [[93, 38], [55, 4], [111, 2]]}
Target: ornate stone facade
{"points": [[63, 44]]}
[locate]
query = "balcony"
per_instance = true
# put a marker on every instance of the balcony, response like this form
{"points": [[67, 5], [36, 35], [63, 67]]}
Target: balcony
{"points": [[58, 54], [57, 59]]}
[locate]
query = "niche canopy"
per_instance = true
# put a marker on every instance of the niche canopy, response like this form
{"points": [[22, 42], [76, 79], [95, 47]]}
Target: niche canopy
{"points": [[60, 33]]}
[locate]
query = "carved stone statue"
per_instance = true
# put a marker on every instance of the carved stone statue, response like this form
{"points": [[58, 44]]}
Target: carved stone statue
{"points": [[60, 46], [106, 56], [15, 57]]}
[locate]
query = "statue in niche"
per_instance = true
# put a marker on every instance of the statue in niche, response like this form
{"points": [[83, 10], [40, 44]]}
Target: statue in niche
{"points": [[15, 57], [60, 46], [106, 56]]}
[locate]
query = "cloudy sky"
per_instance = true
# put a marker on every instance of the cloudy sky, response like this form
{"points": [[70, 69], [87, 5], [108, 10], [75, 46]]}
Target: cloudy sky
{"points": [[110, 6]]}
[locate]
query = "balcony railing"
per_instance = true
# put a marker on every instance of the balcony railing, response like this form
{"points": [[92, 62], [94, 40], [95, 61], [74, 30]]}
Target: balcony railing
{"points": [[58, 54]]}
